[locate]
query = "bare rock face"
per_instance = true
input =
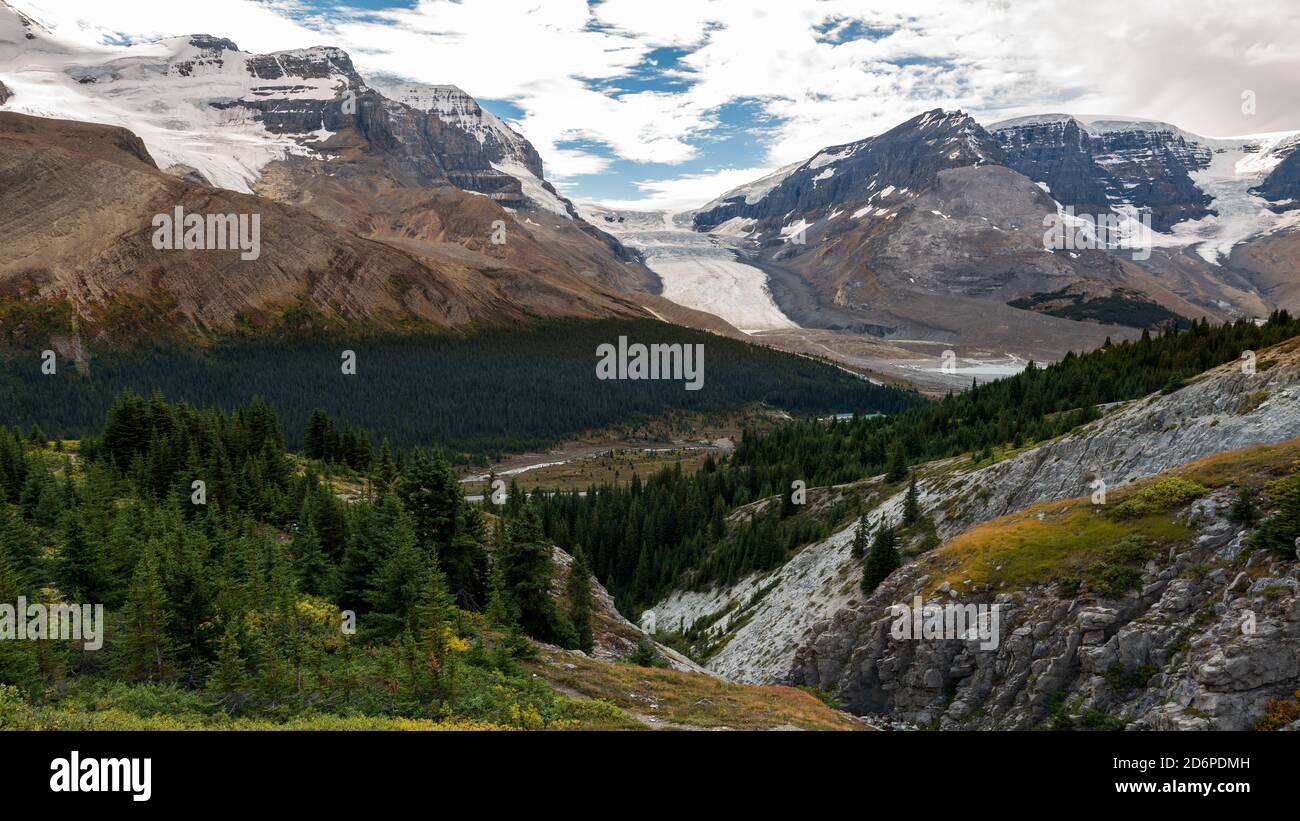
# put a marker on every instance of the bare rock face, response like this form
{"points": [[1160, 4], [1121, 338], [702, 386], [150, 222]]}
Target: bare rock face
{"points": [[78, 202], [616, 638], [1194, 648], [908, 156], [807, 622], [5, 94], [1282, 185], [1096, 166], [188, 173]]}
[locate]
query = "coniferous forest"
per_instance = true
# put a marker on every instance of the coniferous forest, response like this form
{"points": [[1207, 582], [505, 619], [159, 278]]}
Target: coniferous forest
{"points": [[239, 586], [475, 395], [669, 529], [348, 582]]}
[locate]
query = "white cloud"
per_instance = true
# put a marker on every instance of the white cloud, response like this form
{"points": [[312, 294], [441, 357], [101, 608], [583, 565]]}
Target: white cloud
{"points": [[1188, 65], [253, 26], [685, 192]]}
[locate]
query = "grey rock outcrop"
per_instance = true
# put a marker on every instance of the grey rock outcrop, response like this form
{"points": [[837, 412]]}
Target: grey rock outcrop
{"points": [[814, 598], [1097, 166], [1191, 649]]}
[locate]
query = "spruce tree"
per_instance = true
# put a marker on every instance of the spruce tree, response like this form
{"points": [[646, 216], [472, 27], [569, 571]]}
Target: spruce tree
{"points": [[1244, 510], [24, 551], [896, 470], [81, 570], [860, 538], [911, 505], [316, 442], [882, 559], [399, 584], [443, 525], [1279, 532], [316, 575], [385, 473], [18, 660], [229, 675], [578, 590], [434, 630], [525, 566], [145, 646]]}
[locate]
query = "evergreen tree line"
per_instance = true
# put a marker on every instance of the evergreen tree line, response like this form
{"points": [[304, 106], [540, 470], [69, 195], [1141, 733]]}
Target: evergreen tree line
{"points": [[243, 597], [650, 536], [476, 394]]}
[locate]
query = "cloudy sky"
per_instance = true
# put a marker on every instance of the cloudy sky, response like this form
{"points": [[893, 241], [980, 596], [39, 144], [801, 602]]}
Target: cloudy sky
{"points": [[667, 103]]}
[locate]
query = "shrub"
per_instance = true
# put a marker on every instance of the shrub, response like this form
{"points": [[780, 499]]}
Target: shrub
{"points": [[1251, 401], [1279, 712], [1162, 495]]}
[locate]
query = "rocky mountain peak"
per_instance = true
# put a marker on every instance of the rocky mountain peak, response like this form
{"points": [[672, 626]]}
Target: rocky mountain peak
{"points": [[1108, 164], [13, 19], [207, 42], [908, 157], [454, 106]]}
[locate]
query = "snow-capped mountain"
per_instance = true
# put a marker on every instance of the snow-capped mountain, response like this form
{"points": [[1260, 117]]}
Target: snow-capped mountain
{"points": [[430, 210], [512, 153], [1199, 190], [905, 158], [892, 234], [201, 103]]}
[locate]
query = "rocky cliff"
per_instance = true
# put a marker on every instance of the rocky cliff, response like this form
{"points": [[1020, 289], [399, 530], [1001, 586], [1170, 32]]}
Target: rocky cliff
{"points": [[1099, 165], [1205, 635], [809, 623]]}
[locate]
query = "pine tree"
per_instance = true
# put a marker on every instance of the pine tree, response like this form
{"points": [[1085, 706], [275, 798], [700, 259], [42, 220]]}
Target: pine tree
{"points": [[860, 537], [434, 629], [18, 661], [525, 567], [145, 647], [911, 505], [386, 471], [436, 501], [578, 590], [896, 470], [316, 575], [1244, 510], [81, 570], [229, 675], [1279, 532], [399, 584], [882, 559], [316, 442], [24, 552], [191, 600]]}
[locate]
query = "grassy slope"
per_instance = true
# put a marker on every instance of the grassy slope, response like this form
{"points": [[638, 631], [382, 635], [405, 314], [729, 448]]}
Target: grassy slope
{"points": [[1069, 537], [591, 695], [671, 699]]}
